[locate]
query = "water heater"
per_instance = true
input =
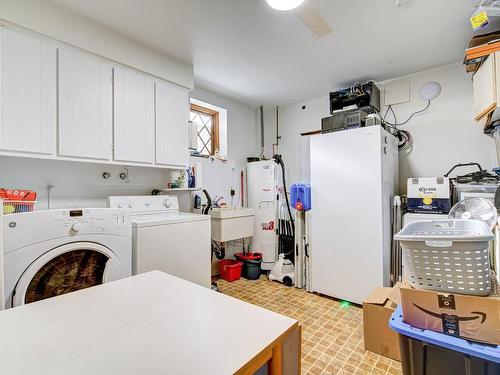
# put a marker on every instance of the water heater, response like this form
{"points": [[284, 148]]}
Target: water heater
{"points": [[263, 190]]}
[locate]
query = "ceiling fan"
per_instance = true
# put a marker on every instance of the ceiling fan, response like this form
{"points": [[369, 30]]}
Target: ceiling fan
{"points": [[306, 13]]}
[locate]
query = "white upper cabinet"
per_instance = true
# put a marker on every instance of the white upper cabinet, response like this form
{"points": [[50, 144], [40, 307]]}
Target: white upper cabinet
{"points": [[85, 106], [134, 117], [172, 116], [485, 91], [28, 94]]}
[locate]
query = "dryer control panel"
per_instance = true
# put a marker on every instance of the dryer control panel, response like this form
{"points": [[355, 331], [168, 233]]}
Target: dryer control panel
{"points": [[27, 228], [85, 221]]}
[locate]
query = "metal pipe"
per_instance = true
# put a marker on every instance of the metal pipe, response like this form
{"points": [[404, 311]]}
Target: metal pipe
{"points": [[277, 125], [49, 196], [261, 108], [276, 144]]}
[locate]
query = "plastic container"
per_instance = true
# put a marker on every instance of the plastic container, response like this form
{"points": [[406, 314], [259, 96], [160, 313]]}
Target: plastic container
{"points": [[300, 196], [486, 191], [230, 269], [251, 265], [433, 353], [14, 207], [447, 255]]}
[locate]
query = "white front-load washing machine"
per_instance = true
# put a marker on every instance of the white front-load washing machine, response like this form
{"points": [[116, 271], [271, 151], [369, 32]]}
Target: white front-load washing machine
{"points": [[53, 252]]}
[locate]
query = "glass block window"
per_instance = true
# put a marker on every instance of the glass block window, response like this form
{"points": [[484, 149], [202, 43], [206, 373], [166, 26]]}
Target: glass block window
{"points": [[207, 122]]}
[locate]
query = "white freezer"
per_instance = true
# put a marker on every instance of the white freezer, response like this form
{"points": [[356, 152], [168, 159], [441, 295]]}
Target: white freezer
{"points": [[354, 175]]}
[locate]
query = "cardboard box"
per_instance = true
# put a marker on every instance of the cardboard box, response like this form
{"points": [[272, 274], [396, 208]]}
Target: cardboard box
{"points": [[470, 317], [428, 195], [377, 310]]}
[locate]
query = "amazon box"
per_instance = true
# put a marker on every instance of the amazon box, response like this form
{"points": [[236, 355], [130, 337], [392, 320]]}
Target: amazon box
{"points": [[469, 317], [377, 310]]}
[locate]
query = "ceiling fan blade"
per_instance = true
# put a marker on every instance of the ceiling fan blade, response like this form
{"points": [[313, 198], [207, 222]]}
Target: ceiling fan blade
{"points": [[313, 20]]}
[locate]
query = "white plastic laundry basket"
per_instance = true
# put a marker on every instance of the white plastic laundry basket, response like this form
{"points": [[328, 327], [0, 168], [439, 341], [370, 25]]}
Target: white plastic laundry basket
{"points": [[447, 255]]}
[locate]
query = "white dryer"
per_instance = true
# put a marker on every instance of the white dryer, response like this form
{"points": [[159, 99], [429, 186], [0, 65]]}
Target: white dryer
{"points": [[48, 253], [165, 239]]}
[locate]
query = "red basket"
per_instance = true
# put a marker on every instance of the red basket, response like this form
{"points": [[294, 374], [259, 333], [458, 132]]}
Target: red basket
{"points": [[230, 270]]}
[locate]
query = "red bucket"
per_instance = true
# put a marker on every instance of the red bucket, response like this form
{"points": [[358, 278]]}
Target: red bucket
{"points": [[230, 270], [248, 256]]}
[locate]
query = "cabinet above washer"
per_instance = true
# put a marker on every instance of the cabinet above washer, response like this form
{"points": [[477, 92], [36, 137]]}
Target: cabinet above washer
{"points": [[85, 105], [59, 102]]}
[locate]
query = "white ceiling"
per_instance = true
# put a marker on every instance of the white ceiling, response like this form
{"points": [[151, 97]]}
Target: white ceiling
{"points": [[246, 50]]}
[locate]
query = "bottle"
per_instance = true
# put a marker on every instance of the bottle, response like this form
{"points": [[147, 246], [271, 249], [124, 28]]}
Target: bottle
{"points": [[197, 201], [182, 179]]}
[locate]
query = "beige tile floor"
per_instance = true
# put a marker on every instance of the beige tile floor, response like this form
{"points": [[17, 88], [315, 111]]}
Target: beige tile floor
{"points": [[332, 336]]}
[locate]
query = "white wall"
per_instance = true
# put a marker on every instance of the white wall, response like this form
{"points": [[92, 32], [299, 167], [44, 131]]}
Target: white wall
{"points": [[54, 21], [76, 184], [219, 177], [443, 136]]}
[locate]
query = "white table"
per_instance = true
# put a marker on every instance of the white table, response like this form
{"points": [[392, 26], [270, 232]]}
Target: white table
{"points": [[153, 323]]}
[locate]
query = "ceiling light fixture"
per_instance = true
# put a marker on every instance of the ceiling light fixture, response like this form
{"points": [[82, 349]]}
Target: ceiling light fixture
{"points": [[429, 90], [284, 4]]}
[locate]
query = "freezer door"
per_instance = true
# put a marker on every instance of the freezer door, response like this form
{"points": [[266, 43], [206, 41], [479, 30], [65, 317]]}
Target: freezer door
{"points": [[350, 224]]}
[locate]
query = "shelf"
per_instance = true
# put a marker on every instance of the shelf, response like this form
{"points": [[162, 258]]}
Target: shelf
{"points": [[180, 189]]}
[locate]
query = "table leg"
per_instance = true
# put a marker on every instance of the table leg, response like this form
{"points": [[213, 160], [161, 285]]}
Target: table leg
{"points": [[276, 362]]}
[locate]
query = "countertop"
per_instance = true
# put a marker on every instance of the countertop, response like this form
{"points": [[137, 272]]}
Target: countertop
{"points": [[152, 323]]}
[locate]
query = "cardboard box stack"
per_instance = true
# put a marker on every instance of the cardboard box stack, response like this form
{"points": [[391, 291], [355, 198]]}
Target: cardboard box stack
{"points": [[377, 310], [470, 317], [485, 22]]}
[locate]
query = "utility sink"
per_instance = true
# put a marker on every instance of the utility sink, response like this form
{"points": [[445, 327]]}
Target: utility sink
{"points": [[232, 223]]}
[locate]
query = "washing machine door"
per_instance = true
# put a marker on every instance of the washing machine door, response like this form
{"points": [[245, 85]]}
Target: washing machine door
{"points": [[65, 269]]}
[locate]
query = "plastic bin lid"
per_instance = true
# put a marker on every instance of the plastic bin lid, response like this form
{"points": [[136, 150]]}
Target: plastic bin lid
{"points": [[487, 352]]}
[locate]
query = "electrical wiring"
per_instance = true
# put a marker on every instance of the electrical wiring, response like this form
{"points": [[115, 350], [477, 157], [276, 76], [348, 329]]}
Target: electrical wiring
{"points": [[404, 136], [409, 118], [393, 114], [386, 112], [406, 141]]}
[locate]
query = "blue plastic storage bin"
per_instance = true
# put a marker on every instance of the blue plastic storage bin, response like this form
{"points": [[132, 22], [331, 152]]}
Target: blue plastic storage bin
{"points": [[433, 353], [300, 195]]}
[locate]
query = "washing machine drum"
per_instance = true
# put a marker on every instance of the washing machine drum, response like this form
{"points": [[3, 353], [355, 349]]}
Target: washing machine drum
{"points": [[66, 269]]}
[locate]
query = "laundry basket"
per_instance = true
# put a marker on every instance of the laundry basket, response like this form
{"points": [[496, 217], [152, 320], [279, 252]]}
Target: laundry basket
{"points": [[447, 255]]}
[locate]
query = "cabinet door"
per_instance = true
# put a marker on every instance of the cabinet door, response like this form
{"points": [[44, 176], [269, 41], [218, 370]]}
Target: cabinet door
{"points": [[85, 106], [134, 117], [28, 94], [172, 116], [485, 98]]}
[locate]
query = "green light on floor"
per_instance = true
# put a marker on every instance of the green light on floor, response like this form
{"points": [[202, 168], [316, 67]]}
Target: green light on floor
{"points": [[345, 304]]}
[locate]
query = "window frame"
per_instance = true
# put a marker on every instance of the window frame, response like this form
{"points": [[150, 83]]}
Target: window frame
{"points": [[215, 138]]}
